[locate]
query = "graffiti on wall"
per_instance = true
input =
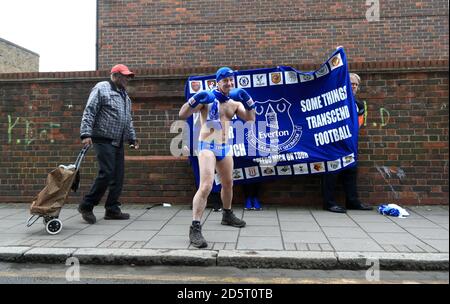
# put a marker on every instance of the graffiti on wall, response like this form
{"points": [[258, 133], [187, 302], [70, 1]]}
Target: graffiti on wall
{"points": [[31, 131], [384, 117], [389, 172]]}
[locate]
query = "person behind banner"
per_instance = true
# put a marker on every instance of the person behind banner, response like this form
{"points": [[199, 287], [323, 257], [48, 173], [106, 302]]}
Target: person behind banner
{"points": [[348, 176], [216, 108]]}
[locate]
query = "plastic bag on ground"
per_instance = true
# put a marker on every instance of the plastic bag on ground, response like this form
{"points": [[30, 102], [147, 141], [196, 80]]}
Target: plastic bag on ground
{"points": [[393, 210]]}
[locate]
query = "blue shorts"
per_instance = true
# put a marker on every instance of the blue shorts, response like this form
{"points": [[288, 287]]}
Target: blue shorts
{"points": [[219, 150]]}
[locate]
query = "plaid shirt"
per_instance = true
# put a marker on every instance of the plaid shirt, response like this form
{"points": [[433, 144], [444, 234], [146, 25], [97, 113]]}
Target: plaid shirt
{"points": [[107, 115]]}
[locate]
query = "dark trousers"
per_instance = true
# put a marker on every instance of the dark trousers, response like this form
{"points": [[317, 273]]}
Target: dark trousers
{"points": [[111, 162], [349, 181], [251, 190]]}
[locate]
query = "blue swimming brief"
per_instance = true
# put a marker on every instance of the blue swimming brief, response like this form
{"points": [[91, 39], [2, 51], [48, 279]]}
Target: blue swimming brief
{"points": [[219, 150]]}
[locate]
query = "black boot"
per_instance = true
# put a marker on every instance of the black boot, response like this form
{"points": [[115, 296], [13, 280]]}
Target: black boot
{"points": [[196, 237], [116, 215], [87, 215], [228, 218]]}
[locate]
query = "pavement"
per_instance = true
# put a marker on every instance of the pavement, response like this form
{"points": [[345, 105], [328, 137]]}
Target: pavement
{"points": [[276, 237]]}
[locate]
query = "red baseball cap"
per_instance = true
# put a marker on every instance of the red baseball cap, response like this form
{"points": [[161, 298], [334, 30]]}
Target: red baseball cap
{"points": [[122, 69]]}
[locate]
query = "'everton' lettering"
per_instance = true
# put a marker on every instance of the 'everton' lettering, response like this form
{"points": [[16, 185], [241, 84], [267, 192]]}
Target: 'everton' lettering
{"points": [[273, 134]]}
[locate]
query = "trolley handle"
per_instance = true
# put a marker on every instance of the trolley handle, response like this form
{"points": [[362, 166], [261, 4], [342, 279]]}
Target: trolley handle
{"points": [[81, 156], [32, 219]]}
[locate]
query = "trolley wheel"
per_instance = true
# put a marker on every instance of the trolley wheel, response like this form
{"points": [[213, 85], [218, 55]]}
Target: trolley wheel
{"points": [[53, 226], [46, 219]]}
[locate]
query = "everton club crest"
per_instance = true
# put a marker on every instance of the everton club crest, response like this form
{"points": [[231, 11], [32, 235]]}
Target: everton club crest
{"points": [[268, 134]]}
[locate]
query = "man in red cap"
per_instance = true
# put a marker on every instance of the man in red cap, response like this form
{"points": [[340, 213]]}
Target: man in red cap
{"points": [[107, 124]]}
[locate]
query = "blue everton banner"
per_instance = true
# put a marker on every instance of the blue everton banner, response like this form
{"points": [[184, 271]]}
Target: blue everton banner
{"points": [[306, 122]]}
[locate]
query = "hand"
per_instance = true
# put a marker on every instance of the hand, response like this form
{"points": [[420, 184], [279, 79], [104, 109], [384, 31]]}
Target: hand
{"points": [[134, 145], [203, 97], [86, 141], [242, 96], [339, 47]]}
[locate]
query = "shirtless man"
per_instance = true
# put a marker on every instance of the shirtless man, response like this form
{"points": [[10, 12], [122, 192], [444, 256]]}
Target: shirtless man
{"points": [[216, 108]]}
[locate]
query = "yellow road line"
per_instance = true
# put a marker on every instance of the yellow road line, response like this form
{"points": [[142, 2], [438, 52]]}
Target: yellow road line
{"points": [[212, 279]]}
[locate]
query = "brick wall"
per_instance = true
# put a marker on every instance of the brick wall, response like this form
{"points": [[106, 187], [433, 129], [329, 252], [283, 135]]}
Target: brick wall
{"points": [[403, 147], [172, 33]]}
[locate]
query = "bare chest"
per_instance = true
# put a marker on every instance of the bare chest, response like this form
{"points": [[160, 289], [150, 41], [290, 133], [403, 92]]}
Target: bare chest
{"points": [[225, 111]]}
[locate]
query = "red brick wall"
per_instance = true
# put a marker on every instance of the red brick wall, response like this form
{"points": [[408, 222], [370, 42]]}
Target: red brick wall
{"points": [[172, 33], [403, 147]]}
